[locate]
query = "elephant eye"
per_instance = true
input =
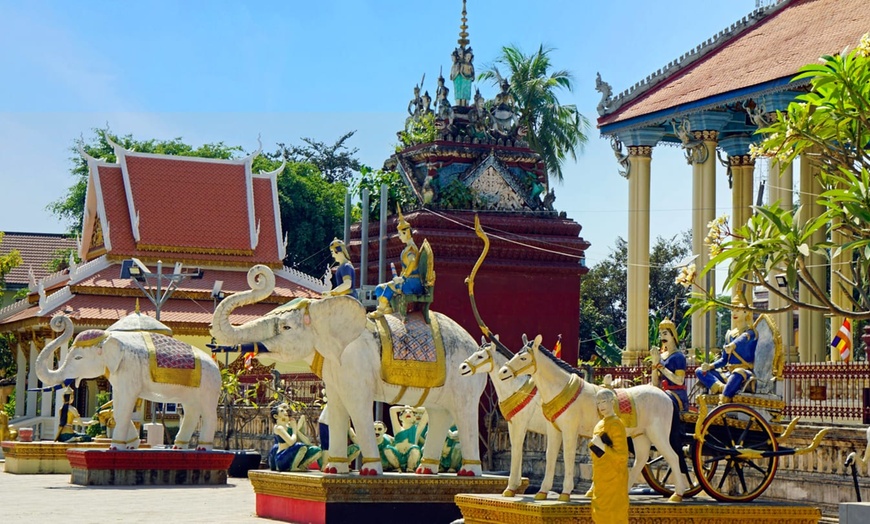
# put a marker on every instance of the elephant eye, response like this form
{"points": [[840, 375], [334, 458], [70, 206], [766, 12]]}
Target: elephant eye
{"points": [[286, 327], [78, 357]]}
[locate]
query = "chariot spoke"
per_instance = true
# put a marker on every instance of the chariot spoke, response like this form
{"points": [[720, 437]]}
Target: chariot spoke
{"points": [[739, 471], [725, 473]]}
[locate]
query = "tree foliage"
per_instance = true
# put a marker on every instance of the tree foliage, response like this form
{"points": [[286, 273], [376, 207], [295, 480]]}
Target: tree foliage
{"points": [[10, 260], [398, 191], [829, 126], [556, 131], [336, 162], [603, 294]]}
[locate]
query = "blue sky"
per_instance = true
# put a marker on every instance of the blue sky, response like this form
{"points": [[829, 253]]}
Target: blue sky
{"points": [[232, 71]]}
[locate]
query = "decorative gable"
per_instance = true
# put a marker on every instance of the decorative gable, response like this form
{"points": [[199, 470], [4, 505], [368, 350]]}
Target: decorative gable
{"points": [[496, 185]]}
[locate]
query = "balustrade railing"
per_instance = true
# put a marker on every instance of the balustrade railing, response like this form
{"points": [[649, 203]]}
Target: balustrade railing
{"points": [[823, 392]]}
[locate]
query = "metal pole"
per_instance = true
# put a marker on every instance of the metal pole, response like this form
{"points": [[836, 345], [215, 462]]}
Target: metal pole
{"points": [[710, 323], [347, 218], [382, 246], [364, 239]]}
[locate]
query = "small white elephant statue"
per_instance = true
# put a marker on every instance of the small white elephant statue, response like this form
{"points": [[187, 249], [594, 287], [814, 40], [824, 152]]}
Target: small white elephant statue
{"points": [[180, 373]]}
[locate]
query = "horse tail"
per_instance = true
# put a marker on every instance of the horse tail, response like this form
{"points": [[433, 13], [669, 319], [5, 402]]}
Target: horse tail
{"points": [[676, 436]]}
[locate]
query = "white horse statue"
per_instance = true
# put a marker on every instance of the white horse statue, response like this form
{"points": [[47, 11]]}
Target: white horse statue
{"points": [[520, 404], [569, 404]]}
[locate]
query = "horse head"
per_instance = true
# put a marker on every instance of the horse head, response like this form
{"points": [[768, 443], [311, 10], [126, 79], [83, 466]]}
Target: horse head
{"points": [[523, 363], [477, 361]]}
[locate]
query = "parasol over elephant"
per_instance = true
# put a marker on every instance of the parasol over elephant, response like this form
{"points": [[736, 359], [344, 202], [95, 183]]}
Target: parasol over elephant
{"points": [[139, 364], [343, 347]]}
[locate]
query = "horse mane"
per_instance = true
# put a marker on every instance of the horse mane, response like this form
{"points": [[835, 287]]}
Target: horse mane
{"points": [[568, 368]]}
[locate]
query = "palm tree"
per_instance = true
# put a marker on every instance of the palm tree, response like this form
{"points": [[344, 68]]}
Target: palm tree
{"points": [[554, 130]]}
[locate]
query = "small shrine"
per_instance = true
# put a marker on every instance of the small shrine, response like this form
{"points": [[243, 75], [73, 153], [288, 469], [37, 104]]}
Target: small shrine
{"points": [[470, 156], [198, 222]]}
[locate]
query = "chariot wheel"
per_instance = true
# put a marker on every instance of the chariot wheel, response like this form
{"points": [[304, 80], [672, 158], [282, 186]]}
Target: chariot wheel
{"points": [[737, 437], [660, 477]]}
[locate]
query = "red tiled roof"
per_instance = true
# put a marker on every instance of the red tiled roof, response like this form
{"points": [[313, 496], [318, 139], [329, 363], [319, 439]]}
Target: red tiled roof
{"points": [[182, 202], [37, 250], [775, 48], [203, 219]]}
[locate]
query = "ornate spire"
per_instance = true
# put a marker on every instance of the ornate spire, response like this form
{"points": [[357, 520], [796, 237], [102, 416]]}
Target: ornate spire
{"points": [[463, 34]]}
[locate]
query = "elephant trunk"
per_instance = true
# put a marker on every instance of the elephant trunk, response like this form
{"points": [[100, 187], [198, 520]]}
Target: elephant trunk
{"points": [[48, 376], [262, 282]]}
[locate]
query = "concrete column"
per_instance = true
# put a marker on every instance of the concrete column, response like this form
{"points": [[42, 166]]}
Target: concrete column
{"points": [[742, 188], [637, 329], [20, 380], [779, 183], [703, 212], [813, 342], [840, 291], [32, 381]]}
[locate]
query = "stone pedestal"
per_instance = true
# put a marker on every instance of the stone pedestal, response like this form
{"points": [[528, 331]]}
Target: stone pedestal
{"points": [[148, 467], [325, 499], [41, 457], [854, 512], [492, 509]]}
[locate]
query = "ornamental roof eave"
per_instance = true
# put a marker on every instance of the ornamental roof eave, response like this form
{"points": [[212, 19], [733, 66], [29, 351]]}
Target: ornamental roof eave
{"points": [[686, 60], [760, 56], [724, 101]]}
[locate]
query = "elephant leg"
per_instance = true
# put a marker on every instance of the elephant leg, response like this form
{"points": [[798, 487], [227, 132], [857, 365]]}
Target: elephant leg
{"points": [[569, 452], [641, 456], [466, 422], [209, 423], [125, 436], [188, 424], [337, 420], [439, 423], [364, 425], [554, 444]]}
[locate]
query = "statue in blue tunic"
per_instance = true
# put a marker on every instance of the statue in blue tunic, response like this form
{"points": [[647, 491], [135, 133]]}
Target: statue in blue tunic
{"points": [[670, 365], [344, 280], [738, 357]]}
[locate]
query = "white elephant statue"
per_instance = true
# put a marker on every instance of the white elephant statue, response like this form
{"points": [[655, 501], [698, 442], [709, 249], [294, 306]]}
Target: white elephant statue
{"points": [[139, 364], [336, 339]]}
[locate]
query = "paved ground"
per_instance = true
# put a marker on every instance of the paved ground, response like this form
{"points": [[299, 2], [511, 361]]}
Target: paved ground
{"points": [[35, 499]]}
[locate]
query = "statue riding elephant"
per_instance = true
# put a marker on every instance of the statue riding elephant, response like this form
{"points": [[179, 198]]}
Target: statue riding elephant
{"points": [[139, 364], [336, 339]]}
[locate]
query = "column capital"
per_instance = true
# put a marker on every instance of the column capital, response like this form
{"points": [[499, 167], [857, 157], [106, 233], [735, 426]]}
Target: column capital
{"points": [[740, 160], [642, 151], [706, 135]]}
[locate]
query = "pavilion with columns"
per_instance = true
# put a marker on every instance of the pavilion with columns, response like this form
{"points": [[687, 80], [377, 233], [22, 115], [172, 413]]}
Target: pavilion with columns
{"points": [[711, 101]]}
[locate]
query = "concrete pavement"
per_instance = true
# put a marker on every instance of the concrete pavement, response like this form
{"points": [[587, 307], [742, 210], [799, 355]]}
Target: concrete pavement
{"points": [[51, 498]]}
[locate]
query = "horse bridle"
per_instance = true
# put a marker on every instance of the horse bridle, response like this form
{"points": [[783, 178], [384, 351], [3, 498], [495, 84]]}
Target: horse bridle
{"points": [[531, 364], [489, 359]]}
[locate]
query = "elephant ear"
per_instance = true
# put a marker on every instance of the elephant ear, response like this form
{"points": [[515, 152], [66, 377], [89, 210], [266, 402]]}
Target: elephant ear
{"points": [[338, 321]]}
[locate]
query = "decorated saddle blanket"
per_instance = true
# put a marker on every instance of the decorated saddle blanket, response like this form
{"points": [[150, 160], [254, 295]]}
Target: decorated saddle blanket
{"points": [[412, 352], [172, 361], [626, 408]]}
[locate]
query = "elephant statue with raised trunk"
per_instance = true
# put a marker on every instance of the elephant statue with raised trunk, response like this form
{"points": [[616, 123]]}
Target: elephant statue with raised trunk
{"points": [[358, 361], [139, 364]]}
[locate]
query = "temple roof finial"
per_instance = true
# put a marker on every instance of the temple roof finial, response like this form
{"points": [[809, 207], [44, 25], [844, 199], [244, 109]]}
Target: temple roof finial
{"points": [[463, 34]]}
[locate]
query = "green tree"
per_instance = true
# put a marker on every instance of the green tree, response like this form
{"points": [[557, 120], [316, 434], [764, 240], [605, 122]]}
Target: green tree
{"points": [[312, 211], [829, 125], [8, 261], [555, 130], [71, 207], [603, 294], [398, 191], [336, 162]]}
